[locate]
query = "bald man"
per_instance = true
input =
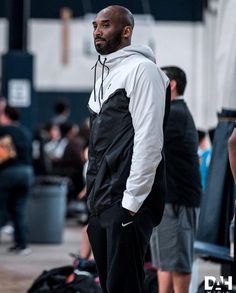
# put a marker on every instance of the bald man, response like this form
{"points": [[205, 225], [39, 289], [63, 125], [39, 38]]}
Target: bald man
{"points": [[125, 177]]}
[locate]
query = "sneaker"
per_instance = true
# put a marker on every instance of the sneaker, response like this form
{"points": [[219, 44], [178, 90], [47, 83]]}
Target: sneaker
{"points": [[24, 251], [13, 248], [19, 250]]}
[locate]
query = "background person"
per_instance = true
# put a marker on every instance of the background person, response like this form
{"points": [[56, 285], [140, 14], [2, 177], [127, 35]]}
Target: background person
{"points": [[62, 113], [70, 164], [53, 139], [3, 104], [204, 154], [172, 241], [16, 176]]}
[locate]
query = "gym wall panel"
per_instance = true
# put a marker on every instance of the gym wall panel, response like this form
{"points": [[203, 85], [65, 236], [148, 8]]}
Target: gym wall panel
{"points": [[174, 43], [183, 10], [77, 102]]}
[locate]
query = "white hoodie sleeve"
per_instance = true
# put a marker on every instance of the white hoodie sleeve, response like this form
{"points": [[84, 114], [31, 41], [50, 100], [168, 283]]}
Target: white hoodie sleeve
{"points": [[147, 106]]}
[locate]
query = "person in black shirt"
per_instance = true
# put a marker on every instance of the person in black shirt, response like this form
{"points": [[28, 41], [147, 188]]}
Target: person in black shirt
{"points": [[16, 176], [172, 241]]}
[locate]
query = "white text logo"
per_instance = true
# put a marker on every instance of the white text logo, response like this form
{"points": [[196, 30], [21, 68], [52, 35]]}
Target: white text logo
{"points": [[217, 285]]}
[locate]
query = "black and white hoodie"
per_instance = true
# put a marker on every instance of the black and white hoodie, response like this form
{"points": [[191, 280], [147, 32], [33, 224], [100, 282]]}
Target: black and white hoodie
{"points": [[127, 109]]}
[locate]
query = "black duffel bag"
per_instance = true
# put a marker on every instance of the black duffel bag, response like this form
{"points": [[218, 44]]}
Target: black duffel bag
{"points": [[64, 280]]}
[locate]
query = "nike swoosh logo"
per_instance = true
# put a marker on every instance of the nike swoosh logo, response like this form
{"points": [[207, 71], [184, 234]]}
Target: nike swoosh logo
{"points": [[126, 224]]}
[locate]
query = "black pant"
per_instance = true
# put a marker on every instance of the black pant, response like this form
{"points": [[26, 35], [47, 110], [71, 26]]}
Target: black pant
{"points": [[15, 183], [119, 242]]}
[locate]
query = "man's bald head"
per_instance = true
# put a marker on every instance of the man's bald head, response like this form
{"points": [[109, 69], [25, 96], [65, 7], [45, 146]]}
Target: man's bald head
{"points": [[122, 14], [113, 27]]}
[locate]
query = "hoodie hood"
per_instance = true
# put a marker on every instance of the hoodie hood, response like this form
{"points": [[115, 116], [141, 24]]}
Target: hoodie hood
{"points": [[113, 58], [117, 64]]}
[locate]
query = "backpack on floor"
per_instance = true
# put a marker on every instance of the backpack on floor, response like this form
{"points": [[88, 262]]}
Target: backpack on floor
{"points": [[64, 280], [83, 264]]}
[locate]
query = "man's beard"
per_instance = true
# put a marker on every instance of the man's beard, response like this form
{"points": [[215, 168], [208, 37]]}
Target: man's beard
{"points": [[109, 46]]}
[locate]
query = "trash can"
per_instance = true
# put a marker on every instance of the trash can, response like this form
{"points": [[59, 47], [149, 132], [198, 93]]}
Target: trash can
{"points": [[46, 209]]}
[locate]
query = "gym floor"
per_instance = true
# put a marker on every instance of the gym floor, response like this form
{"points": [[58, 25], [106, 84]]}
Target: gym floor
{"points": [[17, 272]]}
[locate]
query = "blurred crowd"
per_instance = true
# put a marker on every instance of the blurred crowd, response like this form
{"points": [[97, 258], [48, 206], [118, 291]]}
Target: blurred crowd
{"points": [[59, 148], [56, 148]]}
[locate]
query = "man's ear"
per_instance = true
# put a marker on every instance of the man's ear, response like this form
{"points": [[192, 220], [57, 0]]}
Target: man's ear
{"points": [[172, 85], [127, 32]]}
